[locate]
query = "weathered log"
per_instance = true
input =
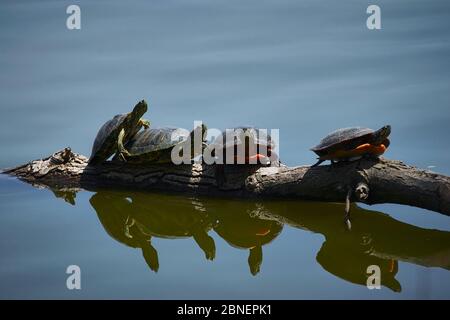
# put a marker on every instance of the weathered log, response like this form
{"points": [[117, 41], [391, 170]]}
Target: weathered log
{"points": [[369, 180]]}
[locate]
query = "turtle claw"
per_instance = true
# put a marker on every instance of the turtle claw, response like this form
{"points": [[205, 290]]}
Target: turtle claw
{"points": [[347, 211], [348, 223], [144, 123], [122, 156]]}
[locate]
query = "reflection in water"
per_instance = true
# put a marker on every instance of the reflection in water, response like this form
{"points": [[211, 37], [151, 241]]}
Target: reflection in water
{"points": [[67, 195], [239, 224], [135, 219], [375, 239]]}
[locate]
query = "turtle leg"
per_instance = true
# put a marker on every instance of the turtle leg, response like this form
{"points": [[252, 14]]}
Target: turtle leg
{"points": [[255, 258], [149, 252], [144, 123], [206, 243], [333, 163], [128, 224], [150, 255], [367, 156], [121, 151], [347, 210], [317, 163], [371, 156]]}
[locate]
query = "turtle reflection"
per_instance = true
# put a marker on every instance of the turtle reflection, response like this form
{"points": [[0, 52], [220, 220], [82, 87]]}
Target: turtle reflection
{"points": [[375, 239], [240, 224], [134, 220]]}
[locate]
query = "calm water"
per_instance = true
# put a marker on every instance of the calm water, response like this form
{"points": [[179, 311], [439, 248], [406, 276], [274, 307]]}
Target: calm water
{"points": [[305, 67]]}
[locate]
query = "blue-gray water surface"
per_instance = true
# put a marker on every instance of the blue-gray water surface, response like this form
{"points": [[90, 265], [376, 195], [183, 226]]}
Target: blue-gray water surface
{"points": [[304, 67]]}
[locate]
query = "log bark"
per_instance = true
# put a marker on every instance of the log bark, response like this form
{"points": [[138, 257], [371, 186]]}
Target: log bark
{"points": [[369, 181]]}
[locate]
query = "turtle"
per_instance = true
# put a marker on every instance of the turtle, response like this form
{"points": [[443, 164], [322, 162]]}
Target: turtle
{"points": [[352, 143], [241, 145], [156, 145], [123, 127]]}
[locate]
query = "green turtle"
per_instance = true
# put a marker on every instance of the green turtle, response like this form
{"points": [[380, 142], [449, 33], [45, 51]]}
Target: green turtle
{"points": [[352, 143], [156, 145], [128, 125]]}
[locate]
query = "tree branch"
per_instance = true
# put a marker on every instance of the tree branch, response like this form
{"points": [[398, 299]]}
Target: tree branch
{"points": [[370, 181]]}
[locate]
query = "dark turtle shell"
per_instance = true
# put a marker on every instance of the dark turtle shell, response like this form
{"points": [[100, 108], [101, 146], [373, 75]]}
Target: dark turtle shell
{"points": [[346, 138], [237, 136], [105, 144], [253, 140], [156, 139], [155, 145]]}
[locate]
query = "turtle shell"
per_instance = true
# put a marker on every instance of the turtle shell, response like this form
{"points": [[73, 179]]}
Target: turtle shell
{"points": [[156, 139], [236, 136], [345, 138], [111, 127], [254, 141], [155, 145], [105, 143]]}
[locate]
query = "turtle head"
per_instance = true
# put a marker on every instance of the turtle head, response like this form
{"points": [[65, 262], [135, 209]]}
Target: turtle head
{"points": [[140, 109], [135, 118], [382, 134]]}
